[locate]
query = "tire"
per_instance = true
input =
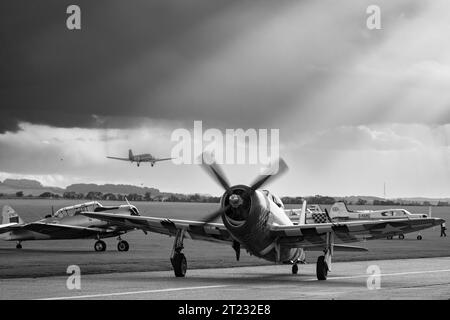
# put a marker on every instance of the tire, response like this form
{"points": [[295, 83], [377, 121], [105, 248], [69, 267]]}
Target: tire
{"points": [[321, 268], [419, 237], [179, 264], [401, 236], [389, 237], [294, 269], [18, 246], [100, 246], [123, 246]]}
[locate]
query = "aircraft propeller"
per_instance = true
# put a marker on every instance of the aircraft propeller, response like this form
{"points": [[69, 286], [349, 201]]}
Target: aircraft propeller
{"points": [[236, 200]]}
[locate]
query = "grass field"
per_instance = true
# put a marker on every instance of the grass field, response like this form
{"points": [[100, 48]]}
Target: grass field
{"points": [[151, 252]]}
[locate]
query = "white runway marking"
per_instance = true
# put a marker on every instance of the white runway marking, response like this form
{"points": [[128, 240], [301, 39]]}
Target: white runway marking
{"points": [[384, 274], [132, 292]]}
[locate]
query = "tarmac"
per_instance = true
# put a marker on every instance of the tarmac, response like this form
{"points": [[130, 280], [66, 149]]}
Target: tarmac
{"points": [[425, 278]]}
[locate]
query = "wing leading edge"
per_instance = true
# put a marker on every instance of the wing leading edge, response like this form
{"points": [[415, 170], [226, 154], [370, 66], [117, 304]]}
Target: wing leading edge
{"points": [[197, 230]]}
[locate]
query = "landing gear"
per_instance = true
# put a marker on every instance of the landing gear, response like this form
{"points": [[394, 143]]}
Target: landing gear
{"points": [[401, 236], [389, 237], [18, 245], [122, 245], [100, 246], [324, 262], [294, 269], [419, 237], [153, 164], [179, 265], [321, 268], [178, 260]]}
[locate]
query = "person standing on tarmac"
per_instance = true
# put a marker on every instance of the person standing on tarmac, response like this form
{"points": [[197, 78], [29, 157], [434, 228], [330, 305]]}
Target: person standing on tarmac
{"points": [[443, 228]]}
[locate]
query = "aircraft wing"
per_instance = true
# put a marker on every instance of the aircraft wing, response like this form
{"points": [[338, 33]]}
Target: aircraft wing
{"points": [[53, 230], [313, 235], [9, 227], [115, 158], [162, 159], [197, 230]]}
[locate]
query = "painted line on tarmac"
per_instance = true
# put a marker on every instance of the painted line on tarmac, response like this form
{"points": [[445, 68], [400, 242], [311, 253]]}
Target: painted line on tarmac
{"points": [[132, 292], [384, 274]]}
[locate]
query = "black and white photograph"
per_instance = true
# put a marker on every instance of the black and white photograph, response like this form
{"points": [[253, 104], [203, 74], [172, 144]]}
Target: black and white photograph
{"points": [[224, 154]]}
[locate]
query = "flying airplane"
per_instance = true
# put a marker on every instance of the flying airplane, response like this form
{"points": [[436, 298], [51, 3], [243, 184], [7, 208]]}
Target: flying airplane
{"points": [[146, 157], [67, 223], [256, 220]]}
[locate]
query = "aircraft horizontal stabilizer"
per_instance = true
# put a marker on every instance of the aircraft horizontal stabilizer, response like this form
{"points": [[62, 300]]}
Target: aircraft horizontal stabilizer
{"points": [[339, 247]]}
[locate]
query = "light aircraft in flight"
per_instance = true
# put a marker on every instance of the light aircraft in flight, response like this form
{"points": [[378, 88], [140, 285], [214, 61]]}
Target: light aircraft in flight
{"points": [[138, 158], [67, 223], [256, 220]]}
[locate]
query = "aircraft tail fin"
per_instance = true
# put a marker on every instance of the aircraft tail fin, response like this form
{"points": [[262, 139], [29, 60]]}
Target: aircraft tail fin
{"points": [[339, 209], [9, 215], [130, 154]]}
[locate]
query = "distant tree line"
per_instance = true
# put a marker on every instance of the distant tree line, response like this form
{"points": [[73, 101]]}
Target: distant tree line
{"points": [[310, 200], [95, 195], [176, 197]]}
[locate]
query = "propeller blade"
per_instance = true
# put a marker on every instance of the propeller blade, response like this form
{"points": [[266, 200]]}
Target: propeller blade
{"points": [[264, 178], [237, 249], [215, 171], [213, 216]]}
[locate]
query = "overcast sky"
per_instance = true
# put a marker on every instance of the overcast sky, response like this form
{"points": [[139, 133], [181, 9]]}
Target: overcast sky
{"points": [[355, 107]]}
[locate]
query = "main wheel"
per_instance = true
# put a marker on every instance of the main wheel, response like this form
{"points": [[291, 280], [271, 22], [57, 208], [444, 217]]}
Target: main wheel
{"points": [[18, 246], [294, 269], [100, 246], [401, 236], [179, 264], [389, 237], [123, 245], [321, 268], [419, 237]]}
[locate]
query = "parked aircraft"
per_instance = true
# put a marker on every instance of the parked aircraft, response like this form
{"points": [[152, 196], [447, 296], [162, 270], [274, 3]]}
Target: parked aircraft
{"points": [[146, 157], [339, 211], [256, 220], [67, 223]]}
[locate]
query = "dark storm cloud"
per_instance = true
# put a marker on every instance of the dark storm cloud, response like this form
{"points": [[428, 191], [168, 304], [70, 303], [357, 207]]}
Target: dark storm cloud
{"points": [[54, 76], [235, 63]]}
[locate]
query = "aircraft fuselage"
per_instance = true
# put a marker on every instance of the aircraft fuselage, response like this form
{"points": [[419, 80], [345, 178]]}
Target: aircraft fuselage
{"points": [[251, 226]]}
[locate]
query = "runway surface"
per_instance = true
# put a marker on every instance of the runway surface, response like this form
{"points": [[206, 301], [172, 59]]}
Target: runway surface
{"points": [[427, 278]]}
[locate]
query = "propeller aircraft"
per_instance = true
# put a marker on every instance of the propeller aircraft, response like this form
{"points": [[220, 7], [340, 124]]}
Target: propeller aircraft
{"points": [[256, 220]]}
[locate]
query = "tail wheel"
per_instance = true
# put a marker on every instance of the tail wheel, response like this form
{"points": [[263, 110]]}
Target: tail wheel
{"points": [[321, 268], [100, 246], [401, 236], [179, 264], [294, 269], [123, 245]]}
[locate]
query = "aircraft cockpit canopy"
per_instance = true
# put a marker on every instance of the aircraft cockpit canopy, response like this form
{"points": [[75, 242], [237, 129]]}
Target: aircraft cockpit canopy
{"points": [[274, 198], [73, 210]]}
